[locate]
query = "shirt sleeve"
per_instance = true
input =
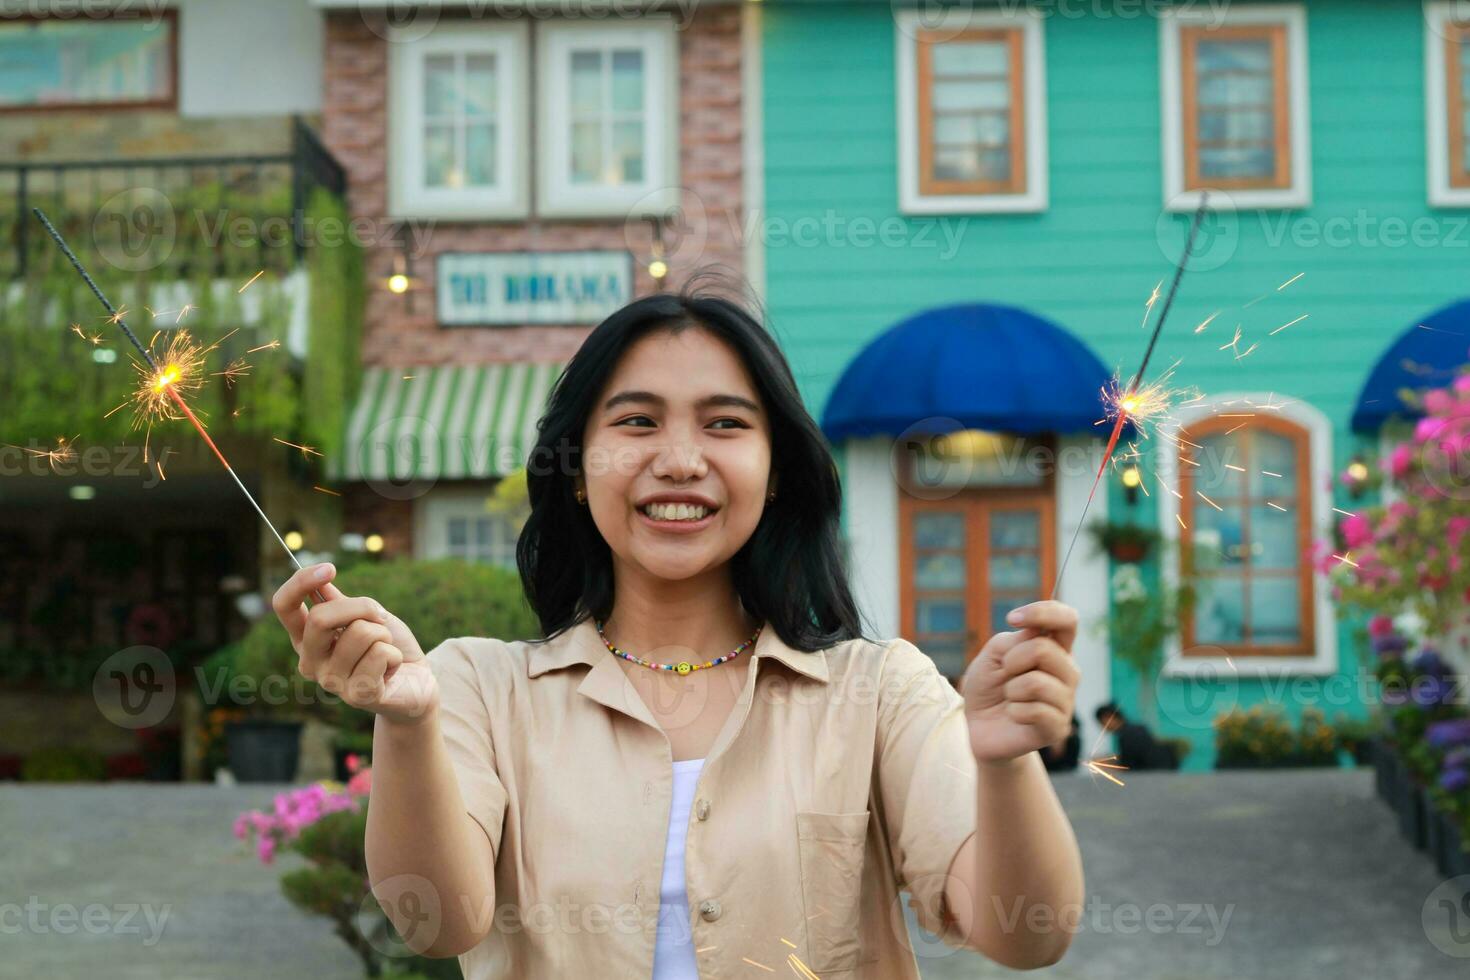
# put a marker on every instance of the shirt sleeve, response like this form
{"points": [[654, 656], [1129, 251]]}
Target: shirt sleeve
{"points": [[464, 722], [928, 781]]}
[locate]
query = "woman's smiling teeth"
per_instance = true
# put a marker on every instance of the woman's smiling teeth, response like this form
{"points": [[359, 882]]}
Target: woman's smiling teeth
{"points": [[676, 512]]}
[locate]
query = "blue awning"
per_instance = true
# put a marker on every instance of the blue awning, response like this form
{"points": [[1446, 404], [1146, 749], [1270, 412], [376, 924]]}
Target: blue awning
{"points": [[1427, 355], [985, 366]]}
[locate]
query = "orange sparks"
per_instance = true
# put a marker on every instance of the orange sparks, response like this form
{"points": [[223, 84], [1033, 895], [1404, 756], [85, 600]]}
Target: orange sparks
{"points": [[1290, 281], [1209, 501], [236, 368], [305, 450], [1344, 513], [1275, 505], [61, 453], [270, 346], [754, 963], [800, 968], [179, 368], [116, 318], [1346, 560], [1232, 466], [1235, 428], [1181, 522], [1100, 767], [252, 280], [1285, 325], [325, 490], [1269, 473], [183, 311], [1208, 319]]}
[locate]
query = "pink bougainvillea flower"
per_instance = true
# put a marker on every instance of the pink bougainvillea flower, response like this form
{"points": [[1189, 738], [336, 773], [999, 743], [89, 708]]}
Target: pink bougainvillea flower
{"points": [[1462, 384], [1438, 401], [1380, 625], [361, 782], [1427, 428], [1400, 460], [1356, 530]]}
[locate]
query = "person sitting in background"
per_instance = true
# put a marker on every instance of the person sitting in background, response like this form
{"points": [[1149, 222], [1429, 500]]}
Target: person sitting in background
{"points": [[1137, 747], [1062, 756]]}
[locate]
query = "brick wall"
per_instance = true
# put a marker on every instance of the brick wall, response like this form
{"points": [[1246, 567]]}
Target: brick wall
{"points": [[402, 329]]}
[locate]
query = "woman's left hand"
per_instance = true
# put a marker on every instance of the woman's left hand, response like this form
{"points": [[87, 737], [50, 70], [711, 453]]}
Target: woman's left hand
{"points": [[1021, 687]]}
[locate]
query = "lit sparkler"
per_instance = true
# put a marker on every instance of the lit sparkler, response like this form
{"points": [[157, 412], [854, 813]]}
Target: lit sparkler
{"points": [[1131, 398], [161, 389]]}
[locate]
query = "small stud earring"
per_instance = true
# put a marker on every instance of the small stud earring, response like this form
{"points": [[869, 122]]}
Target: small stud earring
{"points": [[581, 497], [771, 495]]}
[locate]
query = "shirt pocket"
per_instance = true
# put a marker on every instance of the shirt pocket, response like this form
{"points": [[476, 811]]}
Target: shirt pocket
{"points": [[831, 849]]}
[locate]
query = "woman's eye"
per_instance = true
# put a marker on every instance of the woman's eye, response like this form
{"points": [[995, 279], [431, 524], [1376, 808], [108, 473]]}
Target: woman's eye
{"points": [[737, 423], [634, 418]]}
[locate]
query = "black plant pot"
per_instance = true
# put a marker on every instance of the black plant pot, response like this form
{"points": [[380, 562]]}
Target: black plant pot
{"points": [[1384, 762], [1412, 815], [1435, 845], [264, 750], [1457, 859], [1365, 752]]}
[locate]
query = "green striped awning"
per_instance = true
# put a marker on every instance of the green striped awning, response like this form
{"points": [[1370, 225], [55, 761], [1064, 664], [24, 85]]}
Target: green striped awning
{"points": [[449, 422]]}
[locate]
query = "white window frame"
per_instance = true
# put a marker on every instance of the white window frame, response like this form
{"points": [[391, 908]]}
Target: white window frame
{"points": [[556, 195], [1319, 451], [1442, 193], [433, 512], [907, 25], [407, 195], [1294, 17]]}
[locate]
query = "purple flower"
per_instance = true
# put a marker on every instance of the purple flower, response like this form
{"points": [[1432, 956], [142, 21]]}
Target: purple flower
{"points": [[1428, 662], [1458, 757], [1427, 692], [1454, 780], [1390, 645], [1442, 734]]}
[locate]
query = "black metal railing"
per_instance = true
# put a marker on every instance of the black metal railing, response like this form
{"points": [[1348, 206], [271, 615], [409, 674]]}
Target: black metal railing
{"points": [[181, 216]]}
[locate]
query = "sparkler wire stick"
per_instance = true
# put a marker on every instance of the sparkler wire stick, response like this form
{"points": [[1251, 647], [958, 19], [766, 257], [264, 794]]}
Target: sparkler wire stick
{"points": [[1132, 388], [172, 391]]}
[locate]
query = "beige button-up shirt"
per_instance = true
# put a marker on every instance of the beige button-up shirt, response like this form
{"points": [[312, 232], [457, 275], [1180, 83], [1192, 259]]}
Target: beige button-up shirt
{"points": [[841, 777]]}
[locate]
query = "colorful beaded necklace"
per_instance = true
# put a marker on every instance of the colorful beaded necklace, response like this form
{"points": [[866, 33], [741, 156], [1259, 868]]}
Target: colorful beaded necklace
{"points": [[683, 666]]}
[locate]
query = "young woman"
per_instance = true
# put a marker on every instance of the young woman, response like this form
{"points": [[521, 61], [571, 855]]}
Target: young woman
{"points": [[704, 768]]}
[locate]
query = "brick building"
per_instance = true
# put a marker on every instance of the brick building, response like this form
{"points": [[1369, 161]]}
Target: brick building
{"points": [[525, 174]]}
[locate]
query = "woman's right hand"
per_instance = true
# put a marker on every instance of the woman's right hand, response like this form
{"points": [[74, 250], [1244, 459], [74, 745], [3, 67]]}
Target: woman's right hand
{"points": [[356, 649]]}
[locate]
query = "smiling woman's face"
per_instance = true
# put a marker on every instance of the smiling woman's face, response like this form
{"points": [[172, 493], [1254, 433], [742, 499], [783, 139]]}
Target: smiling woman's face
{"points": [[679, 416]]}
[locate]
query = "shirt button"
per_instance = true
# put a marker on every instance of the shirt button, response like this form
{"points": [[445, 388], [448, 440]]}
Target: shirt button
{"points": [[701, 809], [710, 909]]}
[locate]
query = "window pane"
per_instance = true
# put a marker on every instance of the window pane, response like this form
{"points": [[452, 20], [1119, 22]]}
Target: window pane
{"points": [[458, 532], [1219, 610], [586, 83], [940, 615], [55, 62], [439, 156], [947, 652], [1015, 529], [479, 84], [1021, 571], [439, 86], [627, 81], [1272, 453], [970, 95], [1217, 537], [977, 128], [1233, 162], [586, 152], [1243, 56], [971, 163], [970, 58], [480, 154], [1214, 476], [939, 530], [1275, 614], [484, 532], [1235, 126], [940, 570], [1273, 535], [627, 153]]}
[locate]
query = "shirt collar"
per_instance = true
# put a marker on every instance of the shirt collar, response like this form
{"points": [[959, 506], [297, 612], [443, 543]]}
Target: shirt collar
{"points": [[582, 645]]}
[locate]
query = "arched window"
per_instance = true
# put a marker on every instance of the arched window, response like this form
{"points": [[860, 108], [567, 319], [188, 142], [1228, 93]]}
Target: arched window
{"points": [[1246, 510]]}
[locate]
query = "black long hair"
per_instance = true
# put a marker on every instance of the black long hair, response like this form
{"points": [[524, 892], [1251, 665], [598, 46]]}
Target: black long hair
{"points": [[792, 572]]}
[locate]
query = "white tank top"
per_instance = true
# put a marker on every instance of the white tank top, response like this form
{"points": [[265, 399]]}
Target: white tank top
{"points": [[673, 951]]}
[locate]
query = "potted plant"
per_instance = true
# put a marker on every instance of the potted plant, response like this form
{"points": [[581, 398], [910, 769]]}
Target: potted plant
{"points": [[1253, 739], [1124, 541], [1356, 736], [1316, 741], [1142, 620]]}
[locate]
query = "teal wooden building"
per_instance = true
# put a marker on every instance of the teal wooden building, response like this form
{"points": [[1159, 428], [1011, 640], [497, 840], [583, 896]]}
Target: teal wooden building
{"points": [[964, 213]]}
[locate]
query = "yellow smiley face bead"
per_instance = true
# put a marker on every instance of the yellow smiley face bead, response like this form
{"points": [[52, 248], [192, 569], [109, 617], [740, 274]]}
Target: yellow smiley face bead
{"points": [[684, 667]]}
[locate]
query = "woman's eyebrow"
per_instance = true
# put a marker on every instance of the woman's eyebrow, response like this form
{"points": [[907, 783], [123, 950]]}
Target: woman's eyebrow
{"points": [[649, 398]]}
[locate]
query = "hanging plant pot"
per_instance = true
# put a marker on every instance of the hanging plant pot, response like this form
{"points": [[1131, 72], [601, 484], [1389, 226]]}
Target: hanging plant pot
{"points": [[1411, 812], [264, 750]]}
